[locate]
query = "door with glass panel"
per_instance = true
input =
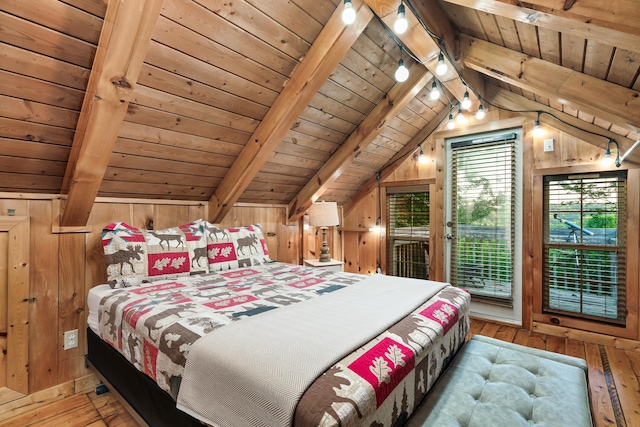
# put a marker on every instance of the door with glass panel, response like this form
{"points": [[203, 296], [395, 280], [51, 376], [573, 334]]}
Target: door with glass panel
{"points": [[483, 222]]}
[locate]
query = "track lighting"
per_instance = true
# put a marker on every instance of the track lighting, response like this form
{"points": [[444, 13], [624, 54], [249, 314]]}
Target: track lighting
{"points": [[435, 92], [401, 24], [451, 124], [348, 13], [480, 113], [402, 73], [466, 102], [442, 67]]}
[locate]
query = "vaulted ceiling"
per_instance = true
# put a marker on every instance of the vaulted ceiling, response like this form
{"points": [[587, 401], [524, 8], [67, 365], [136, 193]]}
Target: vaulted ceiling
{"points": [[279, 101]]}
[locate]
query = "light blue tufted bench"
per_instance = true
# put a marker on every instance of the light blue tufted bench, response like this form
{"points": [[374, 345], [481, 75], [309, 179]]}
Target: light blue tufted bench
{"points": [[493, 383]]}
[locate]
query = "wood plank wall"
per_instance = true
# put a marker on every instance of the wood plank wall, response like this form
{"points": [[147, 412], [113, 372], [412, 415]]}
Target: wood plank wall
{"points": [[362, 249], [64, 266]]}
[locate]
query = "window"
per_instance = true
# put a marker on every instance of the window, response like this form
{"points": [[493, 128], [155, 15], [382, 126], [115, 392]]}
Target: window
{"points": [[483, 216], [584, 246], [408, 235]]}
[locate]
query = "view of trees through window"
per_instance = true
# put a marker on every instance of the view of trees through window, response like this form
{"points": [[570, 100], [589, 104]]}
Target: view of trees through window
{"points": [[408, 235], [584, 249]]}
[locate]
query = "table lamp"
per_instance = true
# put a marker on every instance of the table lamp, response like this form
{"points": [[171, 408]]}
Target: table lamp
{"points": [[324, 215]]}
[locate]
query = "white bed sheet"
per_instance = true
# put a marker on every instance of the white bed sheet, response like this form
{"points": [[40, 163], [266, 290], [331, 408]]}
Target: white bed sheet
{"points": [[93, 303]]}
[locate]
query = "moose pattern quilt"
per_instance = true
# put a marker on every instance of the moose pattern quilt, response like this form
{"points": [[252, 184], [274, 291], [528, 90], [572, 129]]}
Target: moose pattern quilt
{"points": [[154, 326]]}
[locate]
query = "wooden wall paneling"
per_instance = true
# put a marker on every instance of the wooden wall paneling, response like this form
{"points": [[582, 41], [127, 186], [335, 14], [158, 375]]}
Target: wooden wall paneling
{"points": [[627, 385], [165, 216], [43, 344], [143, 216], [437, 229], [28, 35], [71, 305], [4, 271], [531, 226], [633, 252], [43, 67]]}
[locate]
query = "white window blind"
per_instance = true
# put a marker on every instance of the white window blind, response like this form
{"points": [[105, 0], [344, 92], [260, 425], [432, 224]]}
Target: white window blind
{"points": [[585, 246], [483, 217]]}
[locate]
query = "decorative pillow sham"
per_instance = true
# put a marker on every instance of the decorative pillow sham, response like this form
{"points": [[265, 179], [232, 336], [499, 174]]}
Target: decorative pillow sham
{"points": [[236, 247], [134, 256]]}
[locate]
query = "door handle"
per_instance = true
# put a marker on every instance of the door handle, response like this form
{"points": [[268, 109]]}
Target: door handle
{"points": [[449, 236]]}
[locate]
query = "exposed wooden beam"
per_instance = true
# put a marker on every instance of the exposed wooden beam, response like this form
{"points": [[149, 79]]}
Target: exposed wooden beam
{"points": [[124, 40], [569, 124], [425, 48], [609, 101], [611, 23], [396, 161], [397, 98], [333, 42]]}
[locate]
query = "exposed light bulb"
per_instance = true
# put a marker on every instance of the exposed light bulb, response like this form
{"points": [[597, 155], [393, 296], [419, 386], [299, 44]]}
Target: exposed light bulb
{"points": [[442, 67], [480, 112], [435, 92], [402, 73], [460, 117], [466, 102], [607, 160], [537, 130], [401, 24], [451, 124], [348, 13], [422, 158], [376, 228]]}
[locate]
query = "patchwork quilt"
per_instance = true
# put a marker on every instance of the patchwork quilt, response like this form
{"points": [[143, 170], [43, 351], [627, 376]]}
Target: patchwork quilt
{"points": [[380, 383]]}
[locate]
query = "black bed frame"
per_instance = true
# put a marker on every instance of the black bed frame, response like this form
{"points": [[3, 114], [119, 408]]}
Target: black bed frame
{"points": [[155, 406]]}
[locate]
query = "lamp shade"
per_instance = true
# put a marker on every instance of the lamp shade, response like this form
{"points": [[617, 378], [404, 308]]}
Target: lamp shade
{"points": [[323, 214]]}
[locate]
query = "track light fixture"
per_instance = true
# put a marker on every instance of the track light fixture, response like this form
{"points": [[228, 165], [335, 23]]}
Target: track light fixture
{"points": [[466, 102], [401, 24], [442, 67], [435, 92], [480, 112], [402, 73], [348, 13]]}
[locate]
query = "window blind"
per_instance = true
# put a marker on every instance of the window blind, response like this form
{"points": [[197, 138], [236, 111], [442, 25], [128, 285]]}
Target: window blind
{"points": [[585, 246]]}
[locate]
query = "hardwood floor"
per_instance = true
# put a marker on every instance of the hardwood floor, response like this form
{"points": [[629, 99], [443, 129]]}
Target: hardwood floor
{"points": [[614, 382]]}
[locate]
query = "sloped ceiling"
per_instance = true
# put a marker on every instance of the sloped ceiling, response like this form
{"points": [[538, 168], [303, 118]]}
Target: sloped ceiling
{"points": [[279, 101]]}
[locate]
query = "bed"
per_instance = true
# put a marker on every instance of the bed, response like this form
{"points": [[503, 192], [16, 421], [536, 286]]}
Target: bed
{"points": [[379, 381]]}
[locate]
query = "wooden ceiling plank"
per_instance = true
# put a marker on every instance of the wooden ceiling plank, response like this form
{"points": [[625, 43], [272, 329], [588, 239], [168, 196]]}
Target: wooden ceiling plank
{"points": [[616, 103], [597, 59], [331, 45], [425, 48], [396, 161], [397, 98], [612, 23], [574, 126], [124, 40]]}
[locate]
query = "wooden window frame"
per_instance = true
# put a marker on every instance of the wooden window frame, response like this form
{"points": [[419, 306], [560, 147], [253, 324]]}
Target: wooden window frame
{"points": [[549, 322]]}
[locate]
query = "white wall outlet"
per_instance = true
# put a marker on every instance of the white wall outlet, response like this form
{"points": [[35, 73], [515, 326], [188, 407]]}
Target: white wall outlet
{"points": [[548, 145], [71, 339]]}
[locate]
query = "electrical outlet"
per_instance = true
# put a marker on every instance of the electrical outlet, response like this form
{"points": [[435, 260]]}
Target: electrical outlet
{"points": [[71, 339]]}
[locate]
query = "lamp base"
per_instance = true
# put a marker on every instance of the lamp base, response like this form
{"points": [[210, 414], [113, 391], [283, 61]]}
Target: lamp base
{"points": [[324, 250]]}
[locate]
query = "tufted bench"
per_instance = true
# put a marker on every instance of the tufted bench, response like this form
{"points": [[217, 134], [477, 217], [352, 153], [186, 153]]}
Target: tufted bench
{"points": [[493, 383]]}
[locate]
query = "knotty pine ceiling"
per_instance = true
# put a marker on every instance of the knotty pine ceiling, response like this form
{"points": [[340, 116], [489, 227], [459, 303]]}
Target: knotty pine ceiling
{"points": [[214, 76]]}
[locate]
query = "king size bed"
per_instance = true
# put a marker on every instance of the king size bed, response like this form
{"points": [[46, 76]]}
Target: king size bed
{"points": [[276, 344]]}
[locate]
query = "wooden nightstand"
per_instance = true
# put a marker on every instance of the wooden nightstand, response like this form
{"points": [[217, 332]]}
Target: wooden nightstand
{"points": [[334, 264]]}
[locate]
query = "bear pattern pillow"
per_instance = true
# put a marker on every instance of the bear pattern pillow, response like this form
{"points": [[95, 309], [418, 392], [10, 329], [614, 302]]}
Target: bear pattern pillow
{"points": [[235, 247], [134, 256]]}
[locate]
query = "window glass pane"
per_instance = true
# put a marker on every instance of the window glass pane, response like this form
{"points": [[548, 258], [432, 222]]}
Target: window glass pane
{"points": [[483, 219], [408, 234], [584, 250]]}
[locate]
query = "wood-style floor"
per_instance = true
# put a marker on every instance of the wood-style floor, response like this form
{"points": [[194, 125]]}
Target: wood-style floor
{"points": [[616, 404]]}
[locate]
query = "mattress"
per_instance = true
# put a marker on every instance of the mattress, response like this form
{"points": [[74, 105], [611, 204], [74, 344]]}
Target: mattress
{"points": [[154, 326], [93, 304]]}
